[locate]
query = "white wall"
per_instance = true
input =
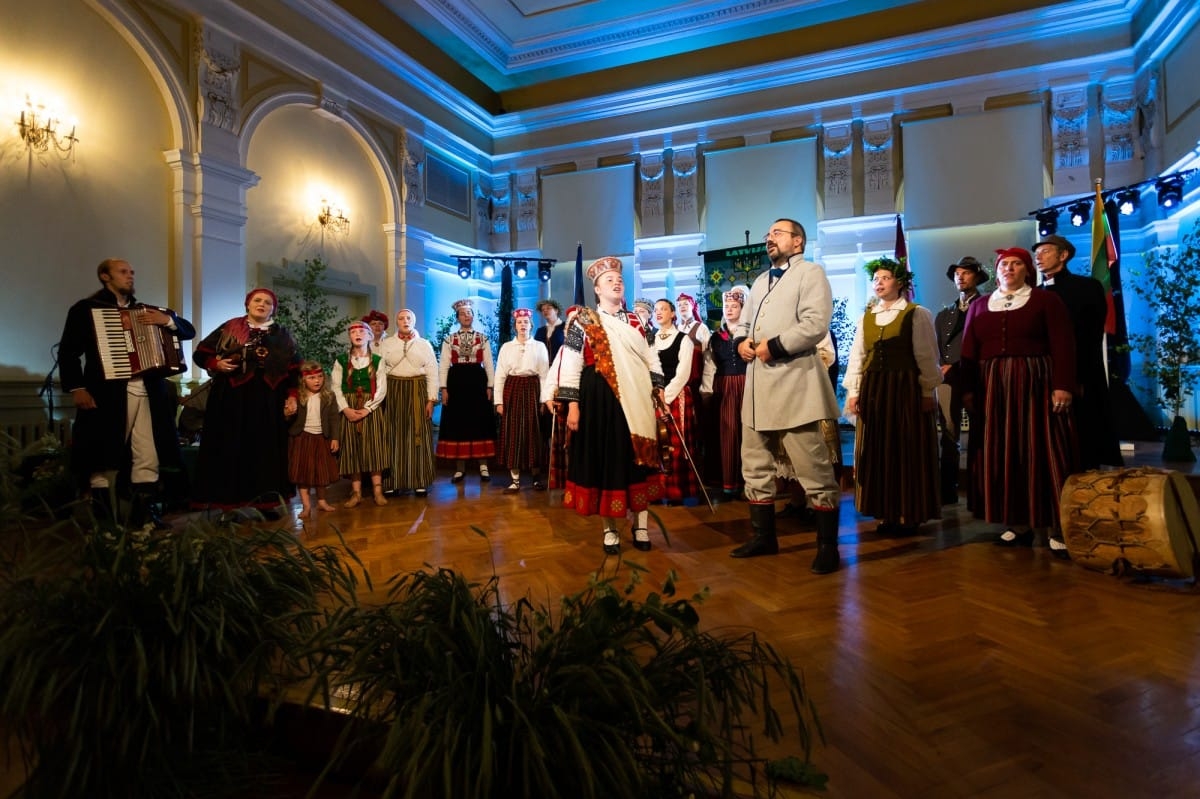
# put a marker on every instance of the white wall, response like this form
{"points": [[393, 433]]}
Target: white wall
{"points": [[59, 219], [750, 187], [594, 206], [301, 156], [975, 168]]}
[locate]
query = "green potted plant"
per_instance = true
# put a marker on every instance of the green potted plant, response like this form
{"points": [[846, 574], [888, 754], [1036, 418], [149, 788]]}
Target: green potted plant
{"points": [[307, 313], [1171, 352], [457, 694], [133, 662]]}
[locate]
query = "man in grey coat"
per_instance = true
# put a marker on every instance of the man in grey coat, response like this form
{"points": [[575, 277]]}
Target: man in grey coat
{"points": [[787, 392]]}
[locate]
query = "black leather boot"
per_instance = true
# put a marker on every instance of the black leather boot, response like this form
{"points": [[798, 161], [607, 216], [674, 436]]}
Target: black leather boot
{"points": [[762, 520], [827, 560], [144, 507]]}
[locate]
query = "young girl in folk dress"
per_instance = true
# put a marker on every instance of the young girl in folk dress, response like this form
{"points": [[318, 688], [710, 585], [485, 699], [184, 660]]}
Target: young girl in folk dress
{"points": [[313, 439], [366, 433], [520, 369]]}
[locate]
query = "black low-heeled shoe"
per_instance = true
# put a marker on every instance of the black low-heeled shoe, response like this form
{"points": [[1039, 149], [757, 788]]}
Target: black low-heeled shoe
{"points": [[1009, 538], [615, 547], [638, 543]]}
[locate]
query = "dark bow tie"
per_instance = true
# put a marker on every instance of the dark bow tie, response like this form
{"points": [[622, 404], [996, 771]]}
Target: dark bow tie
{"points": [[776, 273]]}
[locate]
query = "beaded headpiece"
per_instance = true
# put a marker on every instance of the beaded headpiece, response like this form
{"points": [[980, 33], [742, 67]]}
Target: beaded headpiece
{"points": [[601, 265]]}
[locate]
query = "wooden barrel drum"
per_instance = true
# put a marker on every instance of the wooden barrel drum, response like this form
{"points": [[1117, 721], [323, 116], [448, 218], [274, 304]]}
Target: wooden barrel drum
{"points": [[1141, 520]]}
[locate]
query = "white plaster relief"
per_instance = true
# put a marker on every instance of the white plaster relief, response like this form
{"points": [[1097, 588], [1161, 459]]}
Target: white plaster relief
{"points": [[1069, 127], [877, 156], [413, 157], [527, 202], [683, 167], [837, 144], [217, 66], [650, 183]]}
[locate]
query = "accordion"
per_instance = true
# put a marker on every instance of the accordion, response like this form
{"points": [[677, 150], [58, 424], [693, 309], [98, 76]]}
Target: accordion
{"points": [[131, 348]]}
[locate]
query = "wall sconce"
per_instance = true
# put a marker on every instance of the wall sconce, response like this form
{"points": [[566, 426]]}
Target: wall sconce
{"points": [[39, 126], [333, 218]]}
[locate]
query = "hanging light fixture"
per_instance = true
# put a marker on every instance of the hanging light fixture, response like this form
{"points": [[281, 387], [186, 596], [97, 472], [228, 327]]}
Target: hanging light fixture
{"points": [[464, 268], [1047, 220], [487, 268], [1128, 201], [545, 270], [1170, 190], [1079, 212], [520, 269]]}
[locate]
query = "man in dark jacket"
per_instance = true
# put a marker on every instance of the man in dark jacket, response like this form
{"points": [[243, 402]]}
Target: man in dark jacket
{"points": [[1085, 301], [967, 275], [124, 431]]}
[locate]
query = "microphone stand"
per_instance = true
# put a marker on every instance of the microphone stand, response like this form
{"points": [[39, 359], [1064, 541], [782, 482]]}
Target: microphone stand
{"points": [[47, 389]]}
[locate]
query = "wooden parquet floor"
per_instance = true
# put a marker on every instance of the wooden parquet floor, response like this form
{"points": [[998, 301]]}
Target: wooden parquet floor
{"points": [[942, 666]]}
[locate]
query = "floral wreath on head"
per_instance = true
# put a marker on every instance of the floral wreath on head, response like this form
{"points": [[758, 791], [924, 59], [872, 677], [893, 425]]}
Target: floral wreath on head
{"points": [[899, 270]]}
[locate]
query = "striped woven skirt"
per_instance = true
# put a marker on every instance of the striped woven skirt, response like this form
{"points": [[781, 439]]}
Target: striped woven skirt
{"points": [[559, 440], [727, 396], [310, 463], [412, 433], [680, 481], [520, 433], [366, 445], [896, 456], [1028, 451]]}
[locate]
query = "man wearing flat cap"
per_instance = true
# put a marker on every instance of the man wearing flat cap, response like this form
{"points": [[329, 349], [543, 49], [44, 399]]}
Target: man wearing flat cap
{"points": [[967, 275], [1084, 297]]}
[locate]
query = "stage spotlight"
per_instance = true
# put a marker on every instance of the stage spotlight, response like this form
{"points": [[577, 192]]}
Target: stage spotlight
{"points": [[545, 270], [1047, 220], [1079, 213], [520, 269], [1170, 191], [489, 269], [1128, 201], [464, 268]]}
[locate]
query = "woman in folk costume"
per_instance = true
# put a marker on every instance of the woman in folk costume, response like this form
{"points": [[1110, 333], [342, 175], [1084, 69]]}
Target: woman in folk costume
{"points": [[255, 368], [722, 385], [520, 369], [468, 428], [645, 314], [379, 323], [609, 376], [889, 382], [361, 386], [1018, 369], [675, 355], [412, 391], [559, 435]]}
